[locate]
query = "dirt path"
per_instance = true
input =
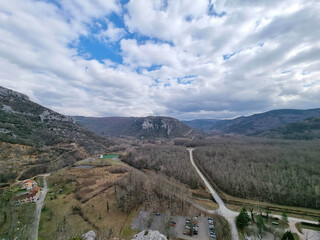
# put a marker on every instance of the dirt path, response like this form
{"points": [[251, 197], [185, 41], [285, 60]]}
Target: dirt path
{"points": [[231, 215], [39, 204]]}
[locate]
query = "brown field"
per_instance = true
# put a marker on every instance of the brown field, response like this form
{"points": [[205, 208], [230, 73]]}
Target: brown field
{"points": [[82, 205]]}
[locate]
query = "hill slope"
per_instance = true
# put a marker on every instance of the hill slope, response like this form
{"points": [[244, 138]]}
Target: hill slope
{"points": [[147, 127], [305, 130], [263, 121], [34, 135], [202, 124]]}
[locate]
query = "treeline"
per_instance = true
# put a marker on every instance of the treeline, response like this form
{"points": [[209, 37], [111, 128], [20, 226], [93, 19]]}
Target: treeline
{"points": [[170, 160], [276, 171]]}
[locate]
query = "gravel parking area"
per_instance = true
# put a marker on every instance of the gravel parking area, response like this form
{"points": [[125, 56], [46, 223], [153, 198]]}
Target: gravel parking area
{"points": [[141, 221], [160, 223]]}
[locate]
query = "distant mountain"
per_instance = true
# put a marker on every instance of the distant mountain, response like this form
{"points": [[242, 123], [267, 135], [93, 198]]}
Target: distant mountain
{"points": [[43, 138], [261, 122], [307, 129], [141, 127], [201, 124]]}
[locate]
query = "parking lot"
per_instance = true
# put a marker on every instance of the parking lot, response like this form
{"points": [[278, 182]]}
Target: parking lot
{"points": [[175, 226]]}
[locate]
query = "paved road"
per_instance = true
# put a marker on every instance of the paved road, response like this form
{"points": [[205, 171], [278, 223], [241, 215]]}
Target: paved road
{"points": [[39, 204], [223, 211], [231, 215]]}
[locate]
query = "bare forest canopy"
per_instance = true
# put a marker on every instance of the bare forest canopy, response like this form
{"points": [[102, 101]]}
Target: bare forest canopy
{"points": [[170, 160], [276, 171]]}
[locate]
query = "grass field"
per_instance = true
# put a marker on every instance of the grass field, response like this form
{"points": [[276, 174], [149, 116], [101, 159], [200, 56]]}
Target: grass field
{"points": [[82, 205], [16, 221], [207, 204], [126, 231], [301, 225]]}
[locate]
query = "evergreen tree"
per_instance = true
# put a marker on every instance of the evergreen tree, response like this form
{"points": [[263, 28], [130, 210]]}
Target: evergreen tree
{"points": [[108, 206], [267, 211], [284, 216], [243, 218], [260, 224], [287, 236]]}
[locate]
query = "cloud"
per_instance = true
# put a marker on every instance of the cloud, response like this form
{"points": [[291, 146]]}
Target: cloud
{"points": [[111, 34], [176, 57]]}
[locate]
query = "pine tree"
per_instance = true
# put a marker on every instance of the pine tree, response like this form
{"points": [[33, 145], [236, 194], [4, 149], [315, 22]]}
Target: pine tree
{"points": [[287, 236], [243, 218], [284, 216], [108, 206], [260, 224], [267, 211]]}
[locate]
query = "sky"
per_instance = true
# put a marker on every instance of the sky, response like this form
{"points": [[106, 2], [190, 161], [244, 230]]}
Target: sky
{"points": [[181, 58]]}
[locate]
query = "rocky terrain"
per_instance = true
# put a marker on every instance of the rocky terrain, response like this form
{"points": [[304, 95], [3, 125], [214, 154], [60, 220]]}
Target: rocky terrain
{"points": [[35, 139], [144, 127], [150, 235]]}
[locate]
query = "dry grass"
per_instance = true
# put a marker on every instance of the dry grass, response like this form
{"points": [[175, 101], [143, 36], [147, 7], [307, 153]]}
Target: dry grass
{"points": [[207, 204], [93, 187]]}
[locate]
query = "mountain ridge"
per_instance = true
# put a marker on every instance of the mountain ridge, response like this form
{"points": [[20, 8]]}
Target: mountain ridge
{"points": [[259, 122], [47, 140], [140, 127]]}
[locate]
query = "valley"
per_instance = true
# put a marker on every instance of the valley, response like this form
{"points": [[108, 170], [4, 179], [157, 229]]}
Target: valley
{"points": [[155, 171]]}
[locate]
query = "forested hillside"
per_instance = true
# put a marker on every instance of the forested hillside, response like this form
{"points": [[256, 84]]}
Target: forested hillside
{"points": [[276, 171], [35, 139], [255, 123], [305, 130]]}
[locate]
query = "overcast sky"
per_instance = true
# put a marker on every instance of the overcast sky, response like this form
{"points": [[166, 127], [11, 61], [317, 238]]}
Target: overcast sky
{"points": [[181, 58]]}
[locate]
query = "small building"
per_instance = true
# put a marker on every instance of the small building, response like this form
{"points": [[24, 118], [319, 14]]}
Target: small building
{"points": [[31, 196], [29, 184]]}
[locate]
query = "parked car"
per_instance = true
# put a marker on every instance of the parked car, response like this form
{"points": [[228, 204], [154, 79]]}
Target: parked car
{"points": [[186, 233], [157, 214]]}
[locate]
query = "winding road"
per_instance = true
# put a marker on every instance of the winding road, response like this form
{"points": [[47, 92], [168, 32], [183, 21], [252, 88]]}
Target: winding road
{"points": [[223, 211], [39, 204], [231, 215]]}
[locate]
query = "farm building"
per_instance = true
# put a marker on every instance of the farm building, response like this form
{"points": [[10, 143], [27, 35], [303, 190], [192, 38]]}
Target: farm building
{"points": [[31, 196], [28, 184]]}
